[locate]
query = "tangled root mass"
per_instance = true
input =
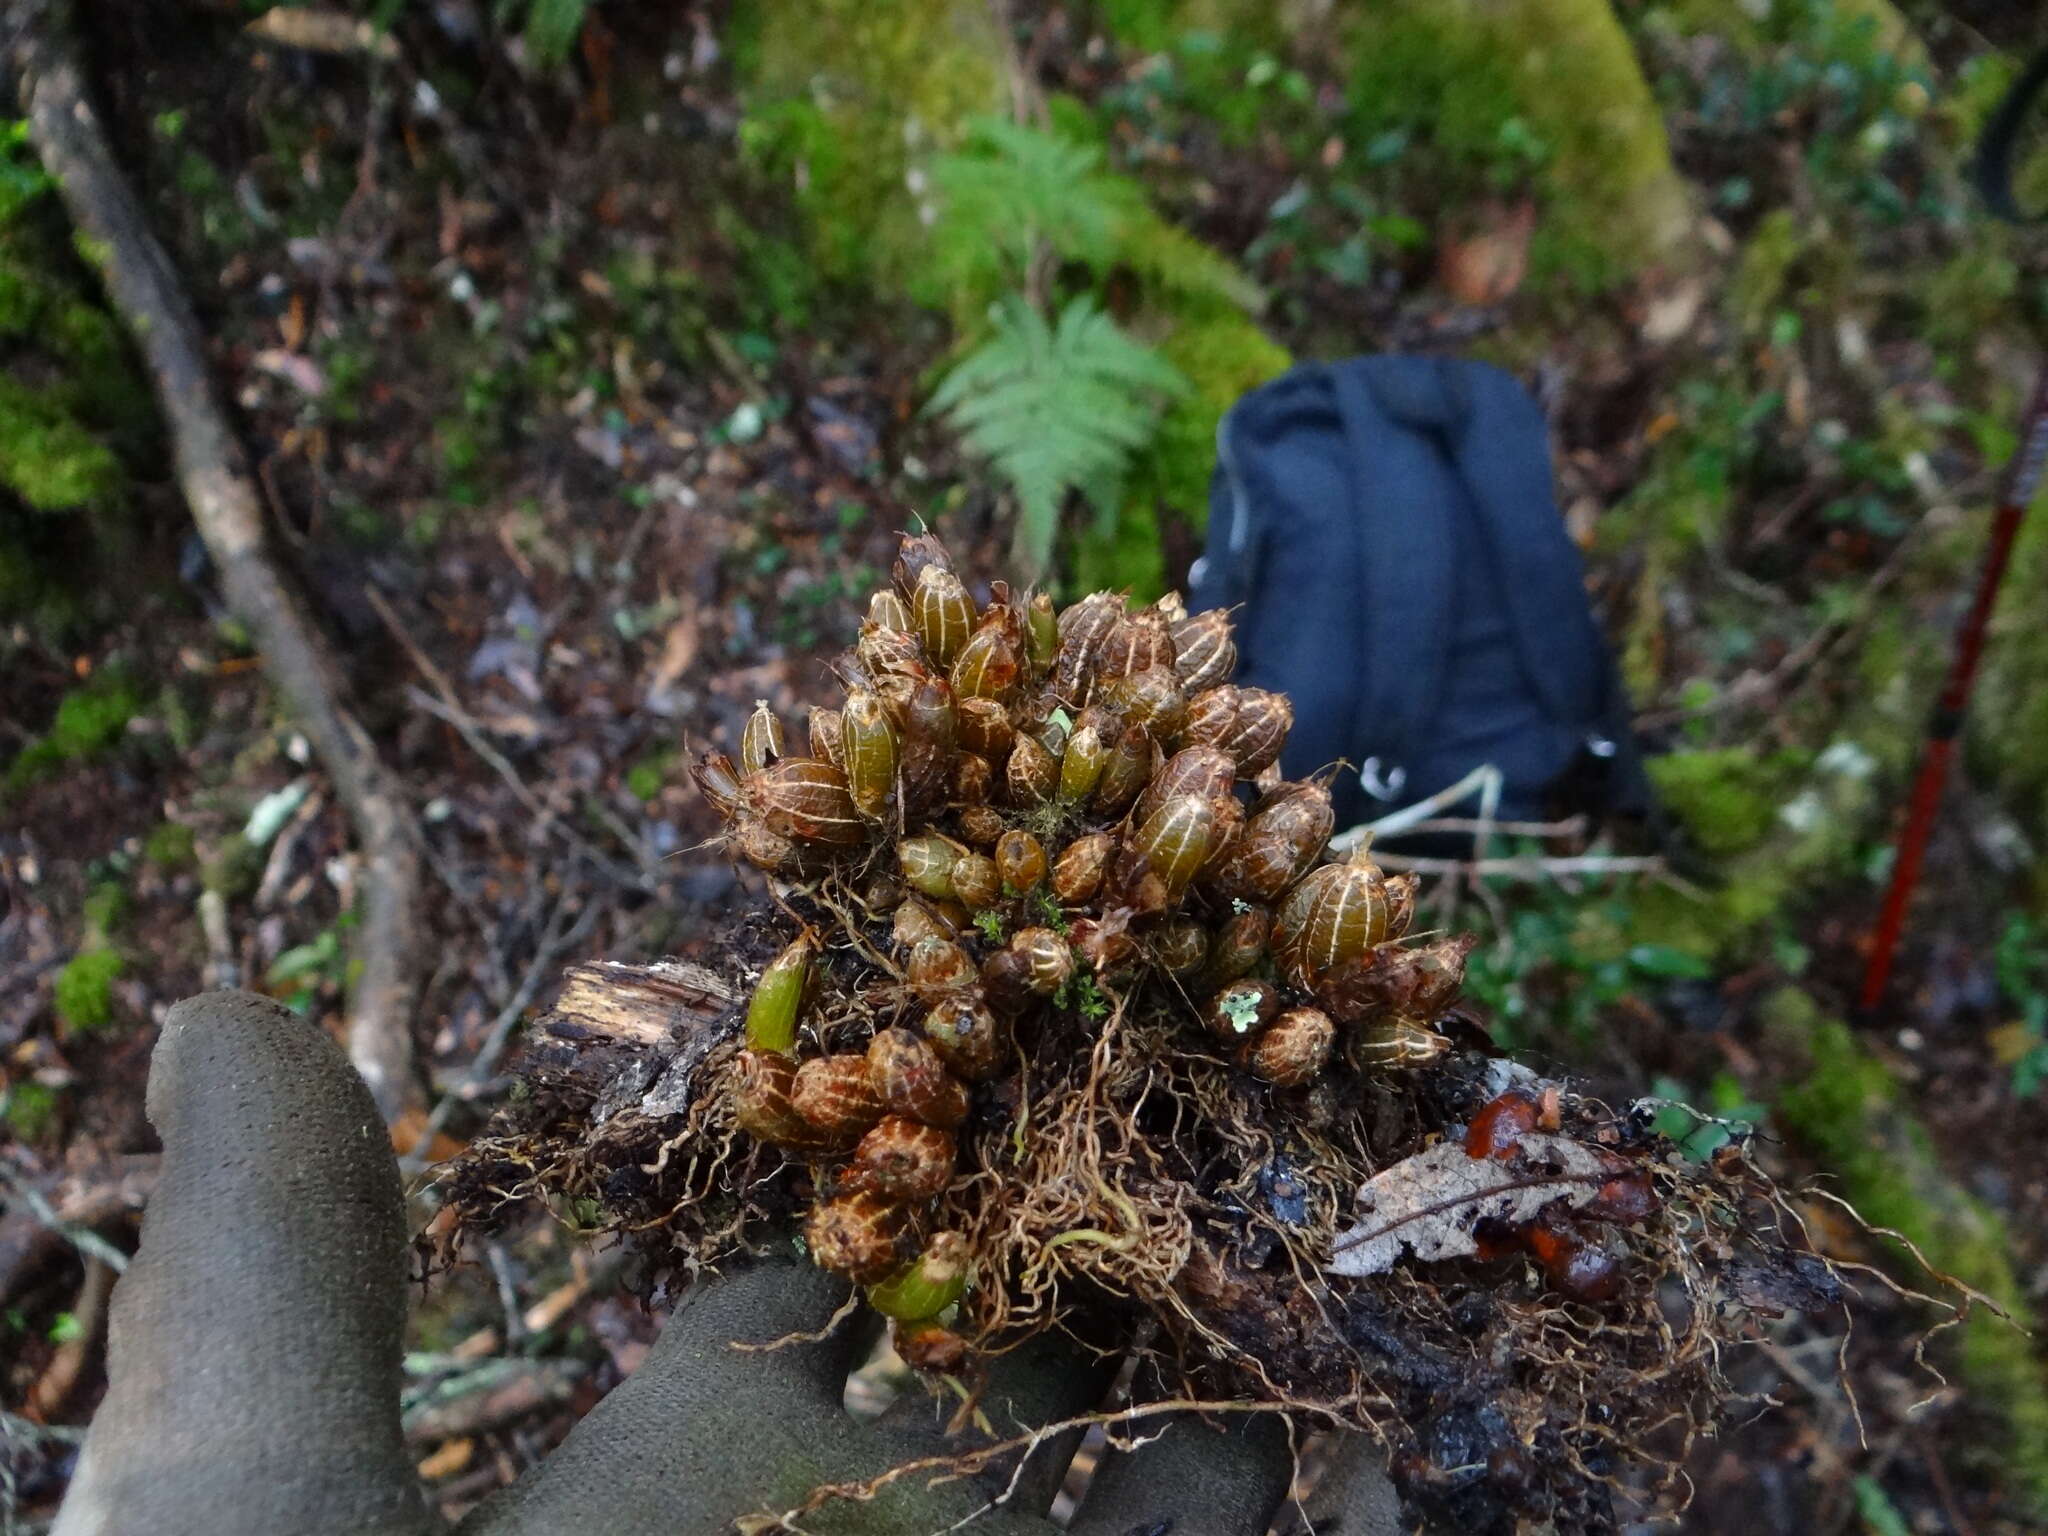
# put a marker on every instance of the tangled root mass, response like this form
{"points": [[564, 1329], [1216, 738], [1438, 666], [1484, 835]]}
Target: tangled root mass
{"points": [[1062, 1016]]}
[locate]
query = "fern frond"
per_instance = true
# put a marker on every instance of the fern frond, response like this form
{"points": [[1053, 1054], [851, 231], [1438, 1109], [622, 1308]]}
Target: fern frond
{"points": [[1011, 185], [1056, 408], [1175, 262]]}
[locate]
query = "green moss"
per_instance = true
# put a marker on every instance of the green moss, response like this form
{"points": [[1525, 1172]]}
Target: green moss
{"points": [[106, 905], [845, 99], [1222, 355], [235, 869], [84, 992], [171, 846], [1778, 827], [1727, 799], [1849, 1110], [1970, 295], [1222, 358], [1542, 92], [644, 780], [1764, 273], [30, 1111], [47, 455], [89, 721], [73, 407], [1125, 556]]}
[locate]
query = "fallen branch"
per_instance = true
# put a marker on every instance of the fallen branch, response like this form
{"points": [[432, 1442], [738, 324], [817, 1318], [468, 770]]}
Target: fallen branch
{"points": [[214, 475]]}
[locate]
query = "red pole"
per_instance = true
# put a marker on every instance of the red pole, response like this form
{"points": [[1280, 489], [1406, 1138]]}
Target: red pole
{"points": [[2022, 478]]}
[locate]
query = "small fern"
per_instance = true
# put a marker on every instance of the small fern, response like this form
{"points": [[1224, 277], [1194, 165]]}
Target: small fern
{"points": [[1174, 262], [1013, 186], [1056, 408]]}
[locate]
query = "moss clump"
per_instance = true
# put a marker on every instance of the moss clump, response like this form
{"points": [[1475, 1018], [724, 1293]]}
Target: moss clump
{"points": [[646, 778], [1222, 357], [1780, 826], [1545, 93], [84, 994], [1849, 1109], [1128, 555], [72, 404], [47, 455], [1764, 272], [1727, 799], [845, 99], [105, 907], [235, 868], [30, 1111], [171, 847], [89, 721]]}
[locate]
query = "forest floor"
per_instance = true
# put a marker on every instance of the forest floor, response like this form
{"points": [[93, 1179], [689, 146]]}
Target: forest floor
{"points": [[572, 486]]}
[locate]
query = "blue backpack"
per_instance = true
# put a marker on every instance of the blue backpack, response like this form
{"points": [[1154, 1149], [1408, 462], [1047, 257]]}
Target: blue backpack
{"points": [[1386, 528]]}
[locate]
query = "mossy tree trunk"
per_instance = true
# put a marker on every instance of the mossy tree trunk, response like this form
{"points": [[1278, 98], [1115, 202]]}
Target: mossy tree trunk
{"points": [[1553, 84]]}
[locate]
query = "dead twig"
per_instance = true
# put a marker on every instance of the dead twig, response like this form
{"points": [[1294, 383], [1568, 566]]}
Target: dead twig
{"points": [[213, 473], [74, 1223], [1570, 827], [445, 705], [1528, 868]]}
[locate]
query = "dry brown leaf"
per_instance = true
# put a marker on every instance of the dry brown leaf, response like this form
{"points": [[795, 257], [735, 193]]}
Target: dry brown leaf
{"points": [[1484, 266], [1428, 1204], [454, 1456]]}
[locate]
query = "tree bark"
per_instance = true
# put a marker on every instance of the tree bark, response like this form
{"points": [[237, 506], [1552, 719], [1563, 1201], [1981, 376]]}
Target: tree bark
{"points": [[214, 475]]}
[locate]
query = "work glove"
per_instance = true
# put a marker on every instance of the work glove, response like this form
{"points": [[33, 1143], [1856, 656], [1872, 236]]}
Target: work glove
{"points": [[255, 1348]]}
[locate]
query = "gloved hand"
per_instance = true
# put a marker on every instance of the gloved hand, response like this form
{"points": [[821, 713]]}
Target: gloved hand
{"points": [[255, 1361]]}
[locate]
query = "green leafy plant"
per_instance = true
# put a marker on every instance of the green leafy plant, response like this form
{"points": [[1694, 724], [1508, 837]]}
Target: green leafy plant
{"points": [[1698, 1133], [1056, 407], [1560, 961], [322, 963], [1879, 1514]]}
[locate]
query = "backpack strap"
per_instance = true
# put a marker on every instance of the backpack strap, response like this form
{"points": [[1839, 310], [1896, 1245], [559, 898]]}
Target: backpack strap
{"points": [[1501, 448], [1392, 408]]}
